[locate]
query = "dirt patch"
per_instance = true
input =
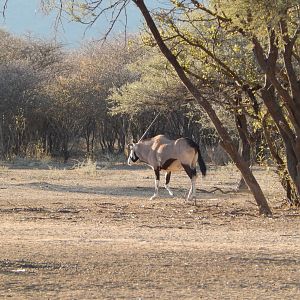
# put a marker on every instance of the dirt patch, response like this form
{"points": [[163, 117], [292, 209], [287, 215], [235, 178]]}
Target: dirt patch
{"points": [[67, 234]]}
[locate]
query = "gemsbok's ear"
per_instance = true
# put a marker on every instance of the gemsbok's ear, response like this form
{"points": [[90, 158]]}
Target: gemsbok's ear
{"points": [[130, 146]]}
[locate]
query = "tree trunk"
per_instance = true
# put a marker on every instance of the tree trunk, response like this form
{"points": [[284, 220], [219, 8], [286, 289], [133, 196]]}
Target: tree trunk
{"points": [[1, 141], [226, 140], [288, 138], [286, 118], [286, 182], [244, 145]]}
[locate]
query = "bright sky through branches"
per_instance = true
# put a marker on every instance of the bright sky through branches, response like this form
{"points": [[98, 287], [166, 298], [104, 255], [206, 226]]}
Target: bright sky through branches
{"points": [[24, 17]]}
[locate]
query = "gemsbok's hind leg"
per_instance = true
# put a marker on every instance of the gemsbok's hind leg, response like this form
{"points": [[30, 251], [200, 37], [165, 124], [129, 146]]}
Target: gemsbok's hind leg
{"points": [[168, 176], [157, 175], [192, 173], [192, 191]]}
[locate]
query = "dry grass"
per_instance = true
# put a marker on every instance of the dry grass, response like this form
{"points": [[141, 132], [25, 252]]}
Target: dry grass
{"points": [[91, 232]]}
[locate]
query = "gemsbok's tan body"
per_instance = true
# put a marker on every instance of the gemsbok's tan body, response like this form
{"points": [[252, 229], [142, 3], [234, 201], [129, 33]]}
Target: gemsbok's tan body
{"points": [[161, 153]]}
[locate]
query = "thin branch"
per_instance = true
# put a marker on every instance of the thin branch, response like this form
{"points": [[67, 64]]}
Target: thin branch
{"points": [[4, 8], [197, 44], [199, 5]]}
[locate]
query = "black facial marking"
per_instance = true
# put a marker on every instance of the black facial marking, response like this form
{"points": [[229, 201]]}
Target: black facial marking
{"points": [[190, 171], [167, 163], [134, 157]]}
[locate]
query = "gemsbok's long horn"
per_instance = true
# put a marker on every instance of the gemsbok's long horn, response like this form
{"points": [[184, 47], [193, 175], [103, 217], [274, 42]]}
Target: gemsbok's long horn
{"points": [[149, 127]]}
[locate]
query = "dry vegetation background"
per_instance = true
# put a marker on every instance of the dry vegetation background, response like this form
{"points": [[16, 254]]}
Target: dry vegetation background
{"points": [[91, 232]]}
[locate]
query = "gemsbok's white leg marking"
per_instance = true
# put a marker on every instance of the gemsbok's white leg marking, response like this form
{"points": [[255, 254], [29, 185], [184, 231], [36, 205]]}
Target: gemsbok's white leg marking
{"points": [[167, 177], [192, 192], [169, 190], [156, 190]]}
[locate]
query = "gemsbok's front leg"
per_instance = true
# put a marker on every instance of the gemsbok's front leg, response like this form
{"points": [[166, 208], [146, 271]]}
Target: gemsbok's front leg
{"points": [[168, 177], [192, 173], [192, 192], [157, 175]]}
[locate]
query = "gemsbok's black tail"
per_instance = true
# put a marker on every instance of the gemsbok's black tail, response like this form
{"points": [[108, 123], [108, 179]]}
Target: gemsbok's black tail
{"points": [[201, 163], [200, 159]]}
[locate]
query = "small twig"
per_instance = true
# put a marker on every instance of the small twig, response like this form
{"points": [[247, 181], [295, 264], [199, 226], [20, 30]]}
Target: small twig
{"points": [[216, 189], [166, 226]]}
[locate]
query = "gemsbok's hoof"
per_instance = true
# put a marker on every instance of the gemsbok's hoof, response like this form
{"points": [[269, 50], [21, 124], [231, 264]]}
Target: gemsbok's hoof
{"points": [[153, 197], [171, 194], [191, 199], [169, 191]]}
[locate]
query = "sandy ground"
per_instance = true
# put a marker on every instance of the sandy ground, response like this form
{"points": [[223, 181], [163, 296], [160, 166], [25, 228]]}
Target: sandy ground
{"points": [[82, 234]]}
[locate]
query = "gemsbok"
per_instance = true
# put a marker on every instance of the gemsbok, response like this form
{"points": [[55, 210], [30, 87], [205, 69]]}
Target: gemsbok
{"points": [[161, 153]]}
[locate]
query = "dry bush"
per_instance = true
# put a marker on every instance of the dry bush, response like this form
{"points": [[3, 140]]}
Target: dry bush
{"points": [[87, 166], [217, 155]]}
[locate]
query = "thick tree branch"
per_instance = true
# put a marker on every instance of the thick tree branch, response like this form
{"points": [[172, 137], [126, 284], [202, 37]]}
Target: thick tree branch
{"points": [[287, 56], [268, 65]]}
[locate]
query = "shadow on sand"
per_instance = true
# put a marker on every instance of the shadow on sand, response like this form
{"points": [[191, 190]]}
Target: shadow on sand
{"points": [[137, 191]]}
